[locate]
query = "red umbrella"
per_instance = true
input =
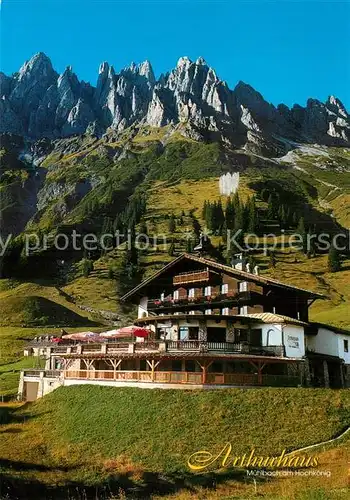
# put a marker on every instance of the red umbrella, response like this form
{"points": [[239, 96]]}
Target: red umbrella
{"points": [[134, 330], [142, 332], [114, 334]]}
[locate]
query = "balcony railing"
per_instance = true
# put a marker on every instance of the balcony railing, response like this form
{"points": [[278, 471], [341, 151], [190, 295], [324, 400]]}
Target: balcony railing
{"points": [[220, 299], [192, 277], [198, 346], [180, 377], [42, 373]]}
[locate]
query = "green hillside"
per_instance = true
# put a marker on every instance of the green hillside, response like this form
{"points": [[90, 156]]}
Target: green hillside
{"points": [[134, 438], [139, 181]]}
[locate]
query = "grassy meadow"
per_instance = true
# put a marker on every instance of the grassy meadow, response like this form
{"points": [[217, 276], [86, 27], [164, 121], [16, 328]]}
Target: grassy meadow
{"points": [[136, 440]]}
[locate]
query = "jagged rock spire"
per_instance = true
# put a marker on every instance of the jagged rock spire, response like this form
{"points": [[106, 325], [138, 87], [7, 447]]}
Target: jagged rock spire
{"points": [[38, 102]]}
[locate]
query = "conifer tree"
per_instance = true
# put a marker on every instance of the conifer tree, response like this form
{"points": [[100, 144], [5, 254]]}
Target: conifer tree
{"points": [[204, 210], [171, 250], [252, 215], [172, 224], [189, 245], [273, 259], [271, 211], [301, 231], [334, 261], [230, 214]]}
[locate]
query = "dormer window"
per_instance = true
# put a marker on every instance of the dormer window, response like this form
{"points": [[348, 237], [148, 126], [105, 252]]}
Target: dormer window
{"points": [[243, 286], [191, 292], [176, 295], [207, 291], [224, 288]]}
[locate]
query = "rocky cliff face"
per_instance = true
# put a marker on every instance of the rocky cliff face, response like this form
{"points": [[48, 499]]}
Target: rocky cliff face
{"points": [[37, 102]]}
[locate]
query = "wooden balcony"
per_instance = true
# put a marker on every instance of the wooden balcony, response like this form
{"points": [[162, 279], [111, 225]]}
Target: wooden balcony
{"points": [[163, 346], [221, 300], [183, 377], [200, 276], [200, 346]]}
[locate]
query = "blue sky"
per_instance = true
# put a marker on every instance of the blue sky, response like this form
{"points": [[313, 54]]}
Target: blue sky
{"points": [[287, 50]]}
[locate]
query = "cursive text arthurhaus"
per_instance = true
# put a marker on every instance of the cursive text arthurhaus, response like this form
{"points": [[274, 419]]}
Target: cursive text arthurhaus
{"points": [[203, 459]]}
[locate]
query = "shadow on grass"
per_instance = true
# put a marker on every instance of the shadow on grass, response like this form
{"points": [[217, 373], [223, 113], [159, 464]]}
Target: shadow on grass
{"points": [[8, 415], [118, 486]]}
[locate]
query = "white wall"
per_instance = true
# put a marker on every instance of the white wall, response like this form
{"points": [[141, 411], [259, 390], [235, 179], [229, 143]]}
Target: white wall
{"points": [[325, 342], [294, 341], [291, 336], [342, 354], [142, 309], [271, 334]]}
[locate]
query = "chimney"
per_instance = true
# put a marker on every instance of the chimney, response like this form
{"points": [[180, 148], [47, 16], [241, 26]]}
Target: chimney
{"points": [[256, 270], [239, 262]]}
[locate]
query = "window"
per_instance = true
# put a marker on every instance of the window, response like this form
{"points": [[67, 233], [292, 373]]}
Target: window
{"points": [[346, 345], [224, 288], [188, 333], [193, 332], [208, 311], [226, 311], [216, 367], [162, 296], [192, 312], [191, 292], [176, 295], [183, 333], [207, 291], [164, 333], [243, 286], [243, 310], [176, 365], [241, 335], [190, 366]]}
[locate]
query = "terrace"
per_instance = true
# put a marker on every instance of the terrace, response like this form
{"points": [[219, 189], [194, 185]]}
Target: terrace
{"points": [[154, 376], [163, 346]]}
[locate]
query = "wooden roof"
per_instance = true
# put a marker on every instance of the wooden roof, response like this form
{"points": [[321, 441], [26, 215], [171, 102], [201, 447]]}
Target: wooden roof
{"points": [[243, 318], [224, 268]]}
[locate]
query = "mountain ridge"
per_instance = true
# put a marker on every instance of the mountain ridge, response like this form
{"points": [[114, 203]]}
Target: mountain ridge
{"points": [[37, 102]]}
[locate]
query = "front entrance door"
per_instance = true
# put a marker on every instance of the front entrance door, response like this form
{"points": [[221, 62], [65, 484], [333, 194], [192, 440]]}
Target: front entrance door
{"points": [[30, 391]]}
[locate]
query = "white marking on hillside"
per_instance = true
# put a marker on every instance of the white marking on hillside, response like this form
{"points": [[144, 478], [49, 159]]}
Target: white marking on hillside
{"points": [[228, 183]]}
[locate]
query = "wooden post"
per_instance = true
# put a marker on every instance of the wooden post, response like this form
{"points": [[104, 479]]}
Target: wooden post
{"points": [[341, 376], [152, 366], [204, 368], [115, 364], [259, 368], [325, 373]]}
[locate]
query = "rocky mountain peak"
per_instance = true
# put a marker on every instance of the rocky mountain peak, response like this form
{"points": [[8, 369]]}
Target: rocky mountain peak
{"points": [[145, 69], [183, 62], [201, 61], [38, 64], [337, 106], [37, 102]]}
